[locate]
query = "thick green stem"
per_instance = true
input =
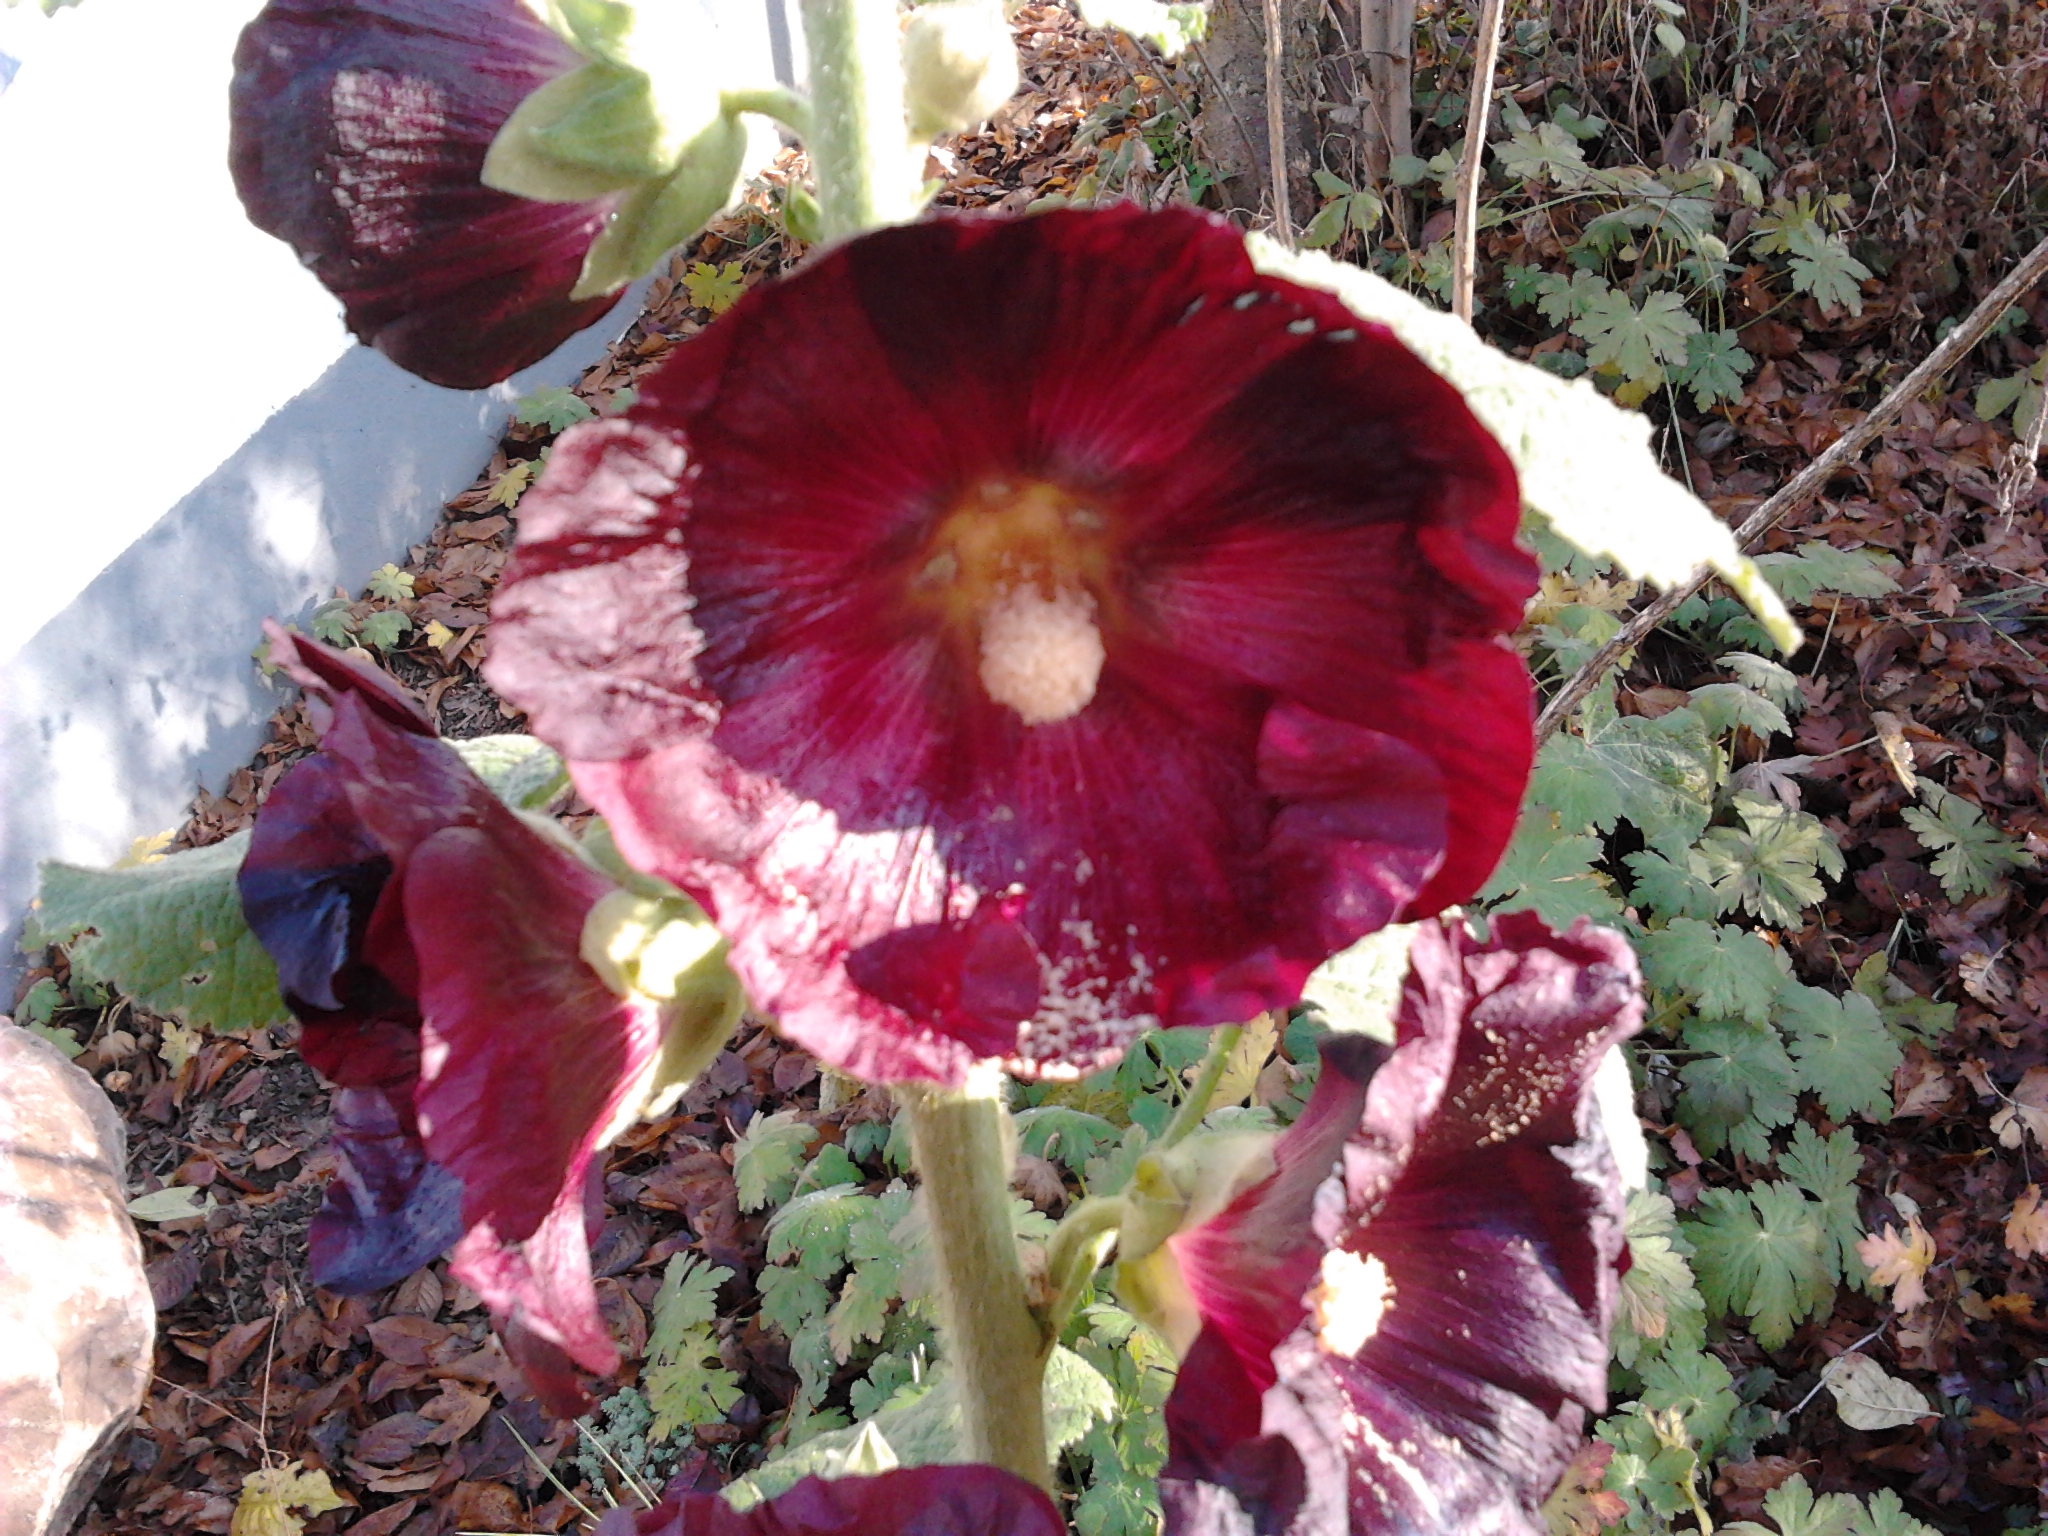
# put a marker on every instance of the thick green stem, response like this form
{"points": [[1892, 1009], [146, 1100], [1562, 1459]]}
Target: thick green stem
{"points": [[960, 1140], [1079, 1245], [859, 142]]}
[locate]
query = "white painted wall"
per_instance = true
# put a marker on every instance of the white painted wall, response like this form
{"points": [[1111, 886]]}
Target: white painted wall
{"points": [[189, 439]]}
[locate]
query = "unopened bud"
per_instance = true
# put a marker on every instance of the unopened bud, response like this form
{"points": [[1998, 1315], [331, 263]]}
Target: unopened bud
{"points": [[959, 65]]}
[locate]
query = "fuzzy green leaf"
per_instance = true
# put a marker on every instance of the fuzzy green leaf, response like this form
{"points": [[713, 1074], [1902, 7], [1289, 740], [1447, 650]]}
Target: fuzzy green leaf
{"points": [[553, 407], [790, 1298], [385, 628], [168, 933], [1671, 890], [1661, 1308], [1886, 1516], [1658, 774], [1549, 153], [1820, 567], [1070, 1135], [1699, 1386], [390, 583], [523, 771], [1549, 871], [1823, 267], [685, 1385], [1764, 1255]]}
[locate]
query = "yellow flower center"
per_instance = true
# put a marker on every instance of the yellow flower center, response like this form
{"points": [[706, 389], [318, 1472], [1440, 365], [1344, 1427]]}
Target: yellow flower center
{"points": [[1019, 572]]}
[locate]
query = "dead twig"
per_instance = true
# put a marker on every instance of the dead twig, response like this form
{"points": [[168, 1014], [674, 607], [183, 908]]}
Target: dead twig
{"points": [[1465, 233], [1809, 482], [1276, 128]]}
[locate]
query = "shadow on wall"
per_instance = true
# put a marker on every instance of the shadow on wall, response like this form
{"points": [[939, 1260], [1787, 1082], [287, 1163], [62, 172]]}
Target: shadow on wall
{"points": [[145, 687]]}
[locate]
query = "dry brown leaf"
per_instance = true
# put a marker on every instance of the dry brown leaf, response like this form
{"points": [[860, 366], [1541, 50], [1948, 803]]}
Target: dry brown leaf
{"points": [[1921, 1085], [1868, 1397], [2026, 1229], [1900, 1262], [1898, 756], [2027, 1112]]}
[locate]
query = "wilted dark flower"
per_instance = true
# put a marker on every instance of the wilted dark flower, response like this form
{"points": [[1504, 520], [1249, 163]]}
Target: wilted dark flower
{"points": [[912, 1501], [1441, 1333], [1022, 633], [429, 940], [359, 134]]}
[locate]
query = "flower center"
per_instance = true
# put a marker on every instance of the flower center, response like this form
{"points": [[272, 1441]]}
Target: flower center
{"points": [[1016, 570], [1349, 1300]]}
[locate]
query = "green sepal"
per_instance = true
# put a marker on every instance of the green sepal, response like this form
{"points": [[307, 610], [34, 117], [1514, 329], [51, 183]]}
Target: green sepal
{"points": [[665, 950], [597, 130], [660, 215]]}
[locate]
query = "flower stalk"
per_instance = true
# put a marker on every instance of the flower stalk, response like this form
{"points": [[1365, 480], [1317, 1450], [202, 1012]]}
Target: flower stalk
{"points": [[1195, 1107], [858, 140], [960, 1140]]}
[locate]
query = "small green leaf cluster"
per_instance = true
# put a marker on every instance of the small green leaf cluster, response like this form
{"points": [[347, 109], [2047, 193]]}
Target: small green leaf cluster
{"points": [[685, 1385], [1639, 292]]}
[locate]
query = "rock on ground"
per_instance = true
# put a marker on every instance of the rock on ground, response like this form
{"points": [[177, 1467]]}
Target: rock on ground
{"points": [[76, 1319]]}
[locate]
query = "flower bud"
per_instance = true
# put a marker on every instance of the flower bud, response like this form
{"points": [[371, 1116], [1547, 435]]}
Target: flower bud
{"points": [[959, 65]]}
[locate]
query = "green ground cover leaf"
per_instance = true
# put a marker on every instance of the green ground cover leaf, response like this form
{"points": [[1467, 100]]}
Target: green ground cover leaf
{"points": [[1770, 865], [1661, 1308], [1821, 567], [1763, 1254], [1698, 1385], [1671, 889], [1971, 856], [1715, 366], [1732, 973], [1657, 774], [1740, 1088], [1550, 872], [684, 1381], [1638, 340], [167, 933], [768, 1156], [1826, 1168], [1845, 1054], [1798, 1512], [552, 406]]}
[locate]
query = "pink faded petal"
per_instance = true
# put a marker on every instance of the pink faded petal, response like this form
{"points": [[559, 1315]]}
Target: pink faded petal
{"points": [[912, 1501], [359, 133], [1249, 1267], [542, 1299], [726, 653], [527, 1056]]}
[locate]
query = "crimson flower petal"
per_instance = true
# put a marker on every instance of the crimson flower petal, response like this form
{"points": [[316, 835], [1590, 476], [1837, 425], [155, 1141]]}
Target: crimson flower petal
{"points": [[430, 942], [1018, 634], [1440, 1375], [911, 1501], [359, 129]]}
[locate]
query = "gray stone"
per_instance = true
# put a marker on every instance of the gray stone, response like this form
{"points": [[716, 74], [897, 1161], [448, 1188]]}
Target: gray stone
{"points": [[76, 1319]]}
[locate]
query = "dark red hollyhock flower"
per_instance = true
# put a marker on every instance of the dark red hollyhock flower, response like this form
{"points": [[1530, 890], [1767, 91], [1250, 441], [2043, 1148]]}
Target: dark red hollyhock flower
{"points": [[1021, 633], [1440, 1337], [428, 940], [359, 129], [912, 1501]]}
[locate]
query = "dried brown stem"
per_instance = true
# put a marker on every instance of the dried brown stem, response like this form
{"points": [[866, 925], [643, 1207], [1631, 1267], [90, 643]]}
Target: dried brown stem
{"points": [[1465, 234]]}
